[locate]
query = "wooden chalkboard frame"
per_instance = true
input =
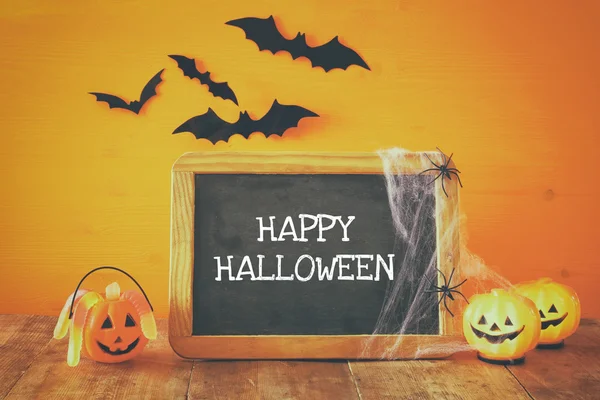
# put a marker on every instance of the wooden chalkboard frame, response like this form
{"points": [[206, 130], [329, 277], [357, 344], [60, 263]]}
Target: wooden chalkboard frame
{"points": [[299, 346]]}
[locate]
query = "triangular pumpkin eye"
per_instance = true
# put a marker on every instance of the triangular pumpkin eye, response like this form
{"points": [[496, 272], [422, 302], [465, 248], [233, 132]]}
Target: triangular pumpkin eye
{"points": [[552, 309], [508, 322], [107, 324], [482, 320], [129, 321]]}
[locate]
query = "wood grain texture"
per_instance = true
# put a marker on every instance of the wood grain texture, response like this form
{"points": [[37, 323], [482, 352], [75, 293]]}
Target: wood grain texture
{"points": [[447, 215], [272, 380], [156, 373], [442, 379], [182, 254], [314, 347], [22, 339], [569, 373], [572, 372], [294, 162]]}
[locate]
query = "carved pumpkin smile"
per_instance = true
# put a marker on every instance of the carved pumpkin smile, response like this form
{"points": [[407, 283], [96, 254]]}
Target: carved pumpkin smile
{"points": [[553, 299], [553, 322], [496, 339], [509, 326], [118, 352], [109, 328]]}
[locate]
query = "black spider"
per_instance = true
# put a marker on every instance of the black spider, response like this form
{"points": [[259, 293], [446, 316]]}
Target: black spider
{"points": [[443, 169], [446, 290]]}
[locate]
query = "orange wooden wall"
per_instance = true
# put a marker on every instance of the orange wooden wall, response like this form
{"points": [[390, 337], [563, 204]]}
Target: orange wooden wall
{"points": [[512, 88]]}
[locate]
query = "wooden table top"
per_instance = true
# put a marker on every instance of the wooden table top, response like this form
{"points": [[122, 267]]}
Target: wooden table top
{"points": [[33, 365]]}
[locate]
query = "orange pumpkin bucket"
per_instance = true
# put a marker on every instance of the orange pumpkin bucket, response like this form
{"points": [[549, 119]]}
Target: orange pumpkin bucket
{"points": [[502, 326], [559, 308], [109, 329]]}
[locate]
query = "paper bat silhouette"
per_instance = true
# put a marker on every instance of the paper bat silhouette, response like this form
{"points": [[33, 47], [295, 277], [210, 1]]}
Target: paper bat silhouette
{"points": [[265, 34], [276, 121], [188, 66], [134, 106]]}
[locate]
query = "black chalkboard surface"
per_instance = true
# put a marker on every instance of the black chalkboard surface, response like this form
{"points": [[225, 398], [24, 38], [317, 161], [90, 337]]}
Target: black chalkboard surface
{"points": [[295, 255], [226, 208]]}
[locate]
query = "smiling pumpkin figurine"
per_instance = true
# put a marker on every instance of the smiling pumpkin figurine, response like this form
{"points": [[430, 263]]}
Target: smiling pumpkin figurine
{"points": [[108, 329], [502, 326], [559, 309]]}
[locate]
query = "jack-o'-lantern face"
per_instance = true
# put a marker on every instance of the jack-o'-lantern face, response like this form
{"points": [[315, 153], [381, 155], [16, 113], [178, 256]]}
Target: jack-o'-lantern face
{"points": [[113, 332], [501, 325], [558, 306], [110, 328]]}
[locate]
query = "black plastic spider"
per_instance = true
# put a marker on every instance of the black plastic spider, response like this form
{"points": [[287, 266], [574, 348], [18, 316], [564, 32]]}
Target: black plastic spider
{"points": [[446, 290], [443, 169]]}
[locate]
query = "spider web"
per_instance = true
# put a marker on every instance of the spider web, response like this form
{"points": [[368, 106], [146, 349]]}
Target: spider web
{"points": [[410, 291]]}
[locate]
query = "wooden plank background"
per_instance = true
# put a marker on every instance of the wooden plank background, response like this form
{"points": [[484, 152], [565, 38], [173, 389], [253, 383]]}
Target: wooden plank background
{"points": [[511, 88], [33, 365]]}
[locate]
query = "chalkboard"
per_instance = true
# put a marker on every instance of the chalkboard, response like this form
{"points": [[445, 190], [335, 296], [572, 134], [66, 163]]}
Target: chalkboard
{"points": [[292, 256], [226, 208]]}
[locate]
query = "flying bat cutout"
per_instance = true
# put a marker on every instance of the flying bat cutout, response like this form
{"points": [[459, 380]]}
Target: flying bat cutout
{"points": [[276, 121], [134, 106], [331, 55], [189, 69]]}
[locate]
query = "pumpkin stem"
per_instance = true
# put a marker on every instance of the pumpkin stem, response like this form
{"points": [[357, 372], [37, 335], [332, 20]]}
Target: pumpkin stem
{"points": [[115, 269], [113, 291]]}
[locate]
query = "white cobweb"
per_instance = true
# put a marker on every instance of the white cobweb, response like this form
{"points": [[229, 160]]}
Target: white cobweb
{"points": [[408, 307]]}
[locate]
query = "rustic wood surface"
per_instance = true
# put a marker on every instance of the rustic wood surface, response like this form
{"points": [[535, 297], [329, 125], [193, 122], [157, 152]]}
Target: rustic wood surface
{"points": [[182, 254], [572, 372], [156, 373], [271, 380], [22, 338], [33, 365], [467, 378]]}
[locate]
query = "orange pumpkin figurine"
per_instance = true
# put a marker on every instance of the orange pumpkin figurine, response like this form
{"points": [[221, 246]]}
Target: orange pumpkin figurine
{"points": [[502, 326], [108, 329], [559, 308]]}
